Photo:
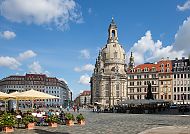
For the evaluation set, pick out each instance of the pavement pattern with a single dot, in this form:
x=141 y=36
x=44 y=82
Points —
x=118 y=123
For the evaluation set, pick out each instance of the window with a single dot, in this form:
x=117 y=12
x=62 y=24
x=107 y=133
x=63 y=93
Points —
x=181 y=89
x=153 y=69
x=132 y=90
x=131 y=83
x=177 y=89
x=177 y=75
x=178 y=97
x=162 y=65
x=138 y=70
x=185 y=89
x=152 y=82
x=174 y=89
x=131 y=76
x=181 y=75
x=138 y=76
x=188 y=96
x=162 y=83
x=144 y=82
x=145 y=69
x=162 y=70
x=169 y=96
x=168 y=64
x=174 y=97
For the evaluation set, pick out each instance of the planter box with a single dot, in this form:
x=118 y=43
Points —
x=69 y=122
x=30 y=125
x=81 y=122
x=52 y=124
x=8 y=129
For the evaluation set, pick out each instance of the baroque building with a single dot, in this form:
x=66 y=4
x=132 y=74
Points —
x=165 y=79
x=138 y=78
x=39 y=82
x=109 y=79
x=181 y=80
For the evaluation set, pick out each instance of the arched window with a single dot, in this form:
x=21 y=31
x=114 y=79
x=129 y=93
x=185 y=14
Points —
x=113 y=34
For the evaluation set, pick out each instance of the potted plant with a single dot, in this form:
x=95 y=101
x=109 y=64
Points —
x=29 y=121
x=69 y=119
x=80 y=119
x=7 y=121
x=52 y=120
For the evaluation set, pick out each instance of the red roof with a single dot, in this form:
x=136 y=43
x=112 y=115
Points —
x=86 y=92
x=142 y=67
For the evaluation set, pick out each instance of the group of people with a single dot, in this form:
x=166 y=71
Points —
x=75 y=107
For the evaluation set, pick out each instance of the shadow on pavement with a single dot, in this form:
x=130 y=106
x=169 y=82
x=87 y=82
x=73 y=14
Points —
x=40 y=131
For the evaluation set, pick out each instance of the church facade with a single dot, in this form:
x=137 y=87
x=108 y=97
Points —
x=109 y=79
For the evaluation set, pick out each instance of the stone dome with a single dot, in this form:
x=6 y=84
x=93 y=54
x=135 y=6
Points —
x=113 y=53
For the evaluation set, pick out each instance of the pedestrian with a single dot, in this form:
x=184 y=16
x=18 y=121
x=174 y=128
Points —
x=68 y=108
x=78 y=108
x=74 y=108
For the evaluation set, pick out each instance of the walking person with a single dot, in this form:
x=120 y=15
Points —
x=78 y=108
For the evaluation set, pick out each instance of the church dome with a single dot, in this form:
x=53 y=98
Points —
x=113 y=53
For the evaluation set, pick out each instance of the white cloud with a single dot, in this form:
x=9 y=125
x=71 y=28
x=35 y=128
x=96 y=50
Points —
x=47 y=73
x=147 y=50
x=27 y=54
x=182 y=37
x=15 y=63
x=9 y=62
x=185 y=6
x=40 y=12
x=84 y=79
x=8 y=35
x=35 y=67
x=87 y=67
x=85 y=54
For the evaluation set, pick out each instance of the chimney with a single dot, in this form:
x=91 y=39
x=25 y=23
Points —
x=176 y=58
x=183 y=58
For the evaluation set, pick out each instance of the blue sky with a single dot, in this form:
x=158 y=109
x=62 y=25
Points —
x=62 y=37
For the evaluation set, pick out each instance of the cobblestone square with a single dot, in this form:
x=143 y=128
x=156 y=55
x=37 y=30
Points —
x=115 y=123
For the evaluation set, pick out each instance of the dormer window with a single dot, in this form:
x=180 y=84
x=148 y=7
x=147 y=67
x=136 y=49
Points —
x=153 y=69
x=138 y=70
x=146 y=69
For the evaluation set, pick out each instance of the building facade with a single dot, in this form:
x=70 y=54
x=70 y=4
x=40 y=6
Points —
x=138 y=79
x=109 y=79
x=84 y=98
x=39 y=82
x=165 y=80
x=181 y=80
